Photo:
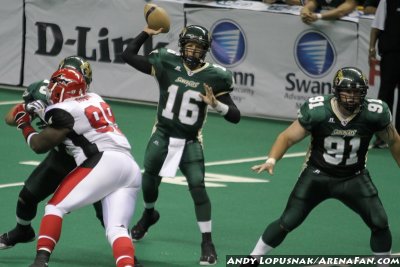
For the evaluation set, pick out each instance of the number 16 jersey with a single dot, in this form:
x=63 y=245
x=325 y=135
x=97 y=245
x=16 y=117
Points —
x=181 y=112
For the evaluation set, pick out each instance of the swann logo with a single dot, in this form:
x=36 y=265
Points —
x=314 y=54
x=228 y=47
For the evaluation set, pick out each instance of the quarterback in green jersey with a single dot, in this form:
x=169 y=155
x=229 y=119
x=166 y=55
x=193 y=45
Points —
x=341 y=127
x=46 y=177
x=188 y=85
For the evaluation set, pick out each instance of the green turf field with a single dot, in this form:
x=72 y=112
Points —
x=243 y=202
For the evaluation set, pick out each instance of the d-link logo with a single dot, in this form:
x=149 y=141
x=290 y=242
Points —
x=229 y=44
x=51 y=41
x=314 y=54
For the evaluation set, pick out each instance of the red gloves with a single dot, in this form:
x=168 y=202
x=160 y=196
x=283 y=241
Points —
x=21 y=116
x=23 y=120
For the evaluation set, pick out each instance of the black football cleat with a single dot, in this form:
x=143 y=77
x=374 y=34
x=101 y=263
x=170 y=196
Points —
x=208 y=254
x=140 y=229
x=42 y=259
x=15 y=236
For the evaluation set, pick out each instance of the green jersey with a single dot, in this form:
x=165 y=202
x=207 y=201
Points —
x=181 y=112
x=36 y=91
x=338 y=147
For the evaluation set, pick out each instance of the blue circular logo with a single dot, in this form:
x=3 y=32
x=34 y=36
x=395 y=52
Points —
x=314 y=53
x=228 y=45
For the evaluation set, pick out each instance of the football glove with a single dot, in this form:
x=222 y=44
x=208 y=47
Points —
x=21 y=116
x=36 y=107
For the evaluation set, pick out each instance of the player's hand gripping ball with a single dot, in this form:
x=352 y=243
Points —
x=21 y=116
x=156 y=17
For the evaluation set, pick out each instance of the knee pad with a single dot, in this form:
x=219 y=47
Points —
x=378 y=221
x=114 y=232
x=27 y=198
x=199 y=195
x=291 y=219
x=274 y=234
x=54 y=210
x=150 y=181
x=27 y=205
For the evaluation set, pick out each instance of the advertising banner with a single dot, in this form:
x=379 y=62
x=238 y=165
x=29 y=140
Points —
x=97 y=30
x=11 y=32
x=277 y=61
x=276 y=70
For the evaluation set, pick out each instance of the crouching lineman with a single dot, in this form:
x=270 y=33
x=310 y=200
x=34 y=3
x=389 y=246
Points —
x=46 y=177
x=106 y=170
x=341 y=127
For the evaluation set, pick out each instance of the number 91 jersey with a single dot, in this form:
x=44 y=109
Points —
x=339 y=148
x=92 y=124
x=181 y=112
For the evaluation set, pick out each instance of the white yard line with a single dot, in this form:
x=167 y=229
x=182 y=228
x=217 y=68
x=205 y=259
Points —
x=30 y=162
x=215 y=163
x=11 y=185
x=3 y=103
x=235 y=161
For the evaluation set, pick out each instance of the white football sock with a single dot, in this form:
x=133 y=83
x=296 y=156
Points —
x=260 y=249
x=205 y=227
x=382 y=255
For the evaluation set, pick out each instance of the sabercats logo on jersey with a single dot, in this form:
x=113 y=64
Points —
x=344 y=132
x=192 y=84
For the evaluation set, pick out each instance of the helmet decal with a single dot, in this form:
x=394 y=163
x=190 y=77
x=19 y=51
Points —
x=339 y=78
x=80 y=64
x=350 y=88
x=66 y=83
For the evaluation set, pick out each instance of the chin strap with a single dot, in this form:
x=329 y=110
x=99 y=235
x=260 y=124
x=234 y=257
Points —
x=192 y=62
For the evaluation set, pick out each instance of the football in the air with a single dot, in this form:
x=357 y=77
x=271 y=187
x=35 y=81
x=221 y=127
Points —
x=156 y=17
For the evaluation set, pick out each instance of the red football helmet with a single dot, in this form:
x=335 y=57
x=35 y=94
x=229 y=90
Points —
x=66 y=83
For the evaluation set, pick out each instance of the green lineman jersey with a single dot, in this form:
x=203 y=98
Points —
x=340 y=148
x=47 y=176
x=181 y=112
x=36 y=91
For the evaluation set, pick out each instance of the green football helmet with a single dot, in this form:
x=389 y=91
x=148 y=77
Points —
x=80 y=64
x=36 y=91
x=353 y=81
x=196 y=34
